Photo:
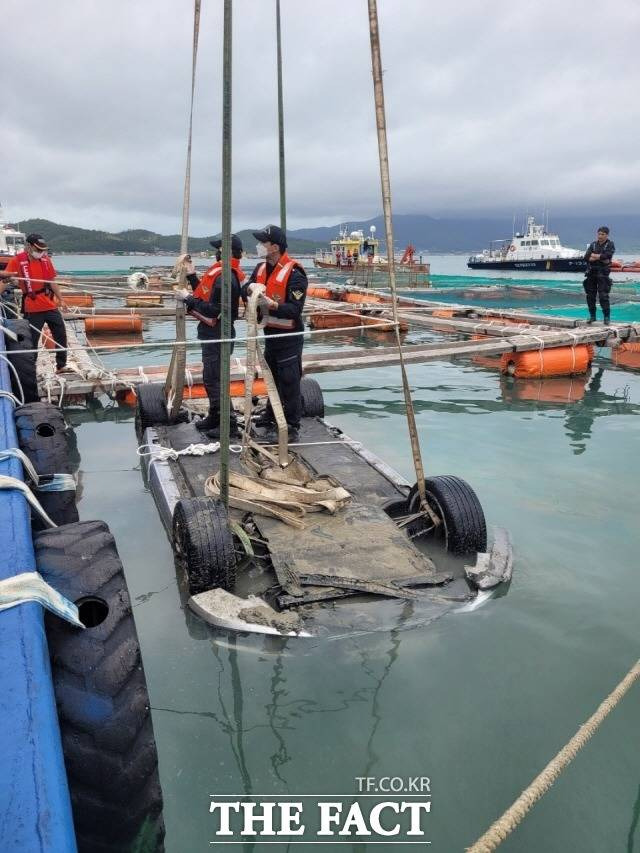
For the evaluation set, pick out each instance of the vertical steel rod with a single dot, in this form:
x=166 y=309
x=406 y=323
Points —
x=381 y=124
x=225 y=325
x=283 y=196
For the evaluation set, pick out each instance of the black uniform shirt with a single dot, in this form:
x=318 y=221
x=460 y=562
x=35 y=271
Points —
x=605 y=250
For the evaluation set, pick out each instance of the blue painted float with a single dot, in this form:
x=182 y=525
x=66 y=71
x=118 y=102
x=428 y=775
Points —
x=35 y=810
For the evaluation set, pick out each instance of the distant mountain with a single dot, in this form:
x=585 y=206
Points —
x=466 y=234
x=426 y=233
x=68 y=238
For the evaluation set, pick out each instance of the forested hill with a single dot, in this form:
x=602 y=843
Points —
x=426 y=233
x=67 y=238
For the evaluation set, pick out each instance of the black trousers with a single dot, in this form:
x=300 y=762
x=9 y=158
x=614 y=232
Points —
x=597 y=284
x=286 y=366
x=211 y=354
x=54 y=321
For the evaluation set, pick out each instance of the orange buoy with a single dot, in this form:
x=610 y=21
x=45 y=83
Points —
x=77 y=300
x=320 y=292
x=626 y=357
x=629 y=346
x=559 y=361
x=333 y=320
x=443 y=313
x=142 y=300
x=361 y=298
x=380 y=325
x=113 y=324
x=198 y=392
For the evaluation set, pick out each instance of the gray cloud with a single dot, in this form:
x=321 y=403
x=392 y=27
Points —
x=491 y=106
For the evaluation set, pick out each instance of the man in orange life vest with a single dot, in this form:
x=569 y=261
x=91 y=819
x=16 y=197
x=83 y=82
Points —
x=206 y=306
x=36 y=274
x=286 y=289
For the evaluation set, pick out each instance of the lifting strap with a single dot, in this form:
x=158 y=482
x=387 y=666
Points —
x=184 y=239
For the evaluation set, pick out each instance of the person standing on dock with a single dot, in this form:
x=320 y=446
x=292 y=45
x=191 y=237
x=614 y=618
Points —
x=206 y=306
x=41 y=296
x=597 y=281
x=286 y=289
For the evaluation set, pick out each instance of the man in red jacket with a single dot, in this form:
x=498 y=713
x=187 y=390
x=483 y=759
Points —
x=36 y=274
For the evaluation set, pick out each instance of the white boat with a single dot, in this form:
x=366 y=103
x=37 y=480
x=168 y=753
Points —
x=534 y=250
x=11 y=241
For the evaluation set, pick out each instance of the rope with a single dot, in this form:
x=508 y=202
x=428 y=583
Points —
x=13 y=483
x=30 y=586
x=16 y=376
x=186 y=202
x=159 y=453
x=11 y=397
x=385 y=181
x=16 y=453
x=505 y=825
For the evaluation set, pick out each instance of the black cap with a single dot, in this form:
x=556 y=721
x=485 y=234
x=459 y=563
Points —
x=236 y=243
x=604 y=228
x=271 y=234
x=37 y=241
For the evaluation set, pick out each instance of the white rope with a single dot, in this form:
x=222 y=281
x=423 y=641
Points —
x=143 y=375
x=11 y=397
x=161 y=454
x=31 y=587
x=14 y=483
x=16 y=453
x=17 y=377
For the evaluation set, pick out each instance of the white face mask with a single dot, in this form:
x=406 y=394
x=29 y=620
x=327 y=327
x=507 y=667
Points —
x=261 y=250
x=37 y=255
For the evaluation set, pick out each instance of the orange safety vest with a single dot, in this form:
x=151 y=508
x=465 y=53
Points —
x=34 y=277
x=208 y=281
x=276 y=287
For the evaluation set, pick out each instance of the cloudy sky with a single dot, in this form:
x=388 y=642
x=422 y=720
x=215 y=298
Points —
x=492 y=106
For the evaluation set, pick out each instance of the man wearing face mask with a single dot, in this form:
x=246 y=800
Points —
x=36 y=274
x=206 y=306
x=286 y=288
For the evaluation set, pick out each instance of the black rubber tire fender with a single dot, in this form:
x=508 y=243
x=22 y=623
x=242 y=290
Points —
x=23 y=362
x=312 y=398
x=43 y=437
x=455 y=502
x=101 y=694
x=151 y=407
x=203 y=544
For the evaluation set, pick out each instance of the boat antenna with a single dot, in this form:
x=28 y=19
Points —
x=225 y=316
x=186 y=200
x=383 y=154
x=283 y=202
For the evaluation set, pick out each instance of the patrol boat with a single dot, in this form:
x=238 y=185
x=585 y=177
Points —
x=11 y=241
x=535 y=250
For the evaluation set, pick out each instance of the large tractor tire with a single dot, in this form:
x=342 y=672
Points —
x=203 y=544
x=42 y=435
x=463 y=527
x=151 y=407
x=24 y=363
x=101 y=694
x=312 y=399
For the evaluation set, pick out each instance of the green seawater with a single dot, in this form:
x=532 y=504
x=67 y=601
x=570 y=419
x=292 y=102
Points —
x=477 y=701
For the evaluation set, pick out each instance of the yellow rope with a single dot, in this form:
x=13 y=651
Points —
x=505 y=825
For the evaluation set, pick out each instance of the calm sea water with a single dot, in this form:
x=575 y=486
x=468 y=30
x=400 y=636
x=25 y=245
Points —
x=478 y=701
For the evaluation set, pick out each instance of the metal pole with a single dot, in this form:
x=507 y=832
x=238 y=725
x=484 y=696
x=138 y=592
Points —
x=225 y=325
x=381 y=124
x=283 y=198
x=186 y=200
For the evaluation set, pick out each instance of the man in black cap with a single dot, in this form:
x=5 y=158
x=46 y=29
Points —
x=286 y=288
x=41 y=296
x=597 y=281
x=206 y=306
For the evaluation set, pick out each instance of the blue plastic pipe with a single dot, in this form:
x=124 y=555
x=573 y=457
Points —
x=35 y=810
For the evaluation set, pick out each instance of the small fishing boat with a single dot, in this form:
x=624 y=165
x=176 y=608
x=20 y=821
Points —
x=353 y=249
x=534 y=250
x=12 y=241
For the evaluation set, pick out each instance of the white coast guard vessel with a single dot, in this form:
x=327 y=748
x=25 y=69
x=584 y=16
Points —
x=534 y=250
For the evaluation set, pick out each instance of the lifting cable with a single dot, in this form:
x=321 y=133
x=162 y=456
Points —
x=225 y=304
x=381 y=124
x=186 y=202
